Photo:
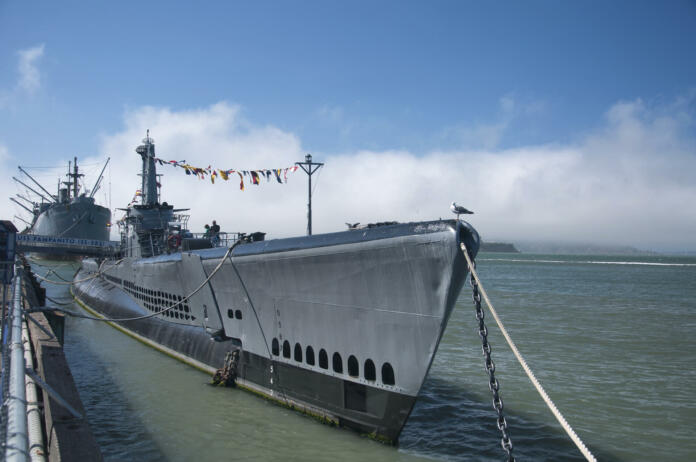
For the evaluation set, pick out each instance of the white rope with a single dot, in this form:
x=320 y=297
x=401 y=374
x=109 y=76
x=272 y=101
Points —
x=69 y=283
x=169 y=308
x=566 y=426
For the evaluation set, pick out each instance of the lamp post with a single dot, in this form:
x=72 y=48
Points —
x=309 y=168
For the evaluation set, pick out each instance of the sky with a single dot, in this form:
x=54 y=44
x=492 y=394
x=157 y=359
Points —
x=553 y=121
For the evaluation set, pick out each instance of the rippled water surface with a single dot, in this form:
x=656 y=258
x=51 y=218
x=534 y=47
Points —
x=612 y=339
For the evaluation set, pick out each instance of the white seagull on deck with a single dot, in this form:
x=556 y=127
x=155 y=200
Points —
x=459 y=210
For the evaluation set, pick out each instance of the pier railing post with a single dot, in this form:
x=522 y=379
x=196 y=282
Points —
x=16 y=445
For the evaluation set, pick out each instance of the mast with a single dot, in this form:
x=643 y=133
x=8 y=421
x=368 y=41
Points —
x=36 y=183
x=149 y=172
x=67 y=185
x=22 y=219
x=21 y=205
x=96 y=185
x=73 y=179
x=27 y=200
x=309 y=170
x=33 y=190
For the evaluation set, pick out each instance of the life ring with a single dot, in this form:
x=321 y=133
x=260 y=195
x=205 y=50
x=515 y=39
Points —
x=174 y=241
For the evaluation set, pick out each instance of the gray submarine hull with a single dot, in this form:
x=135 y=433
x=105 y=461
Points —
x=341 y=326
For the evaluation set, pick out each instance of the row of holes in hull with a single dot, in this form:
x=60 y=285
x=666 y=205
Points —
x=369 y=369
x=158 y=300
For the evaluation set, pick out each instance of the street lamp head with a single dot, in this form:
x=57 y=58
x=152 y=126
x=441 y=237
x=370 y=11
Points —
x=308 y=158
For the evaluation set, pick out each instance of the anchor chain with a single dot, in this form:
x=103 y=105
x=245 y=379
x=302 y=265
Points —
x=493 y=383
x=227 y=374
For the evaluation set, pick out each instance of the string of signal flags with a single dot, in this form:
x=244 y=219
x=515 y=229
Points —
x=254 y=176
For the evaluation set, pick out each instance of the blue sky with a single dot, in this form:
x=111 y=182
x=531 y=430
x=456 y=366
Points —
x=343 y=78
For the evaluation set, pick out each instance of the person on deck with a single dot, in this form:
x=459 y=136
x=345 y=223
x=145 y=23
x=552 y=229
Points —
x=207 y=231
x=215 y=229
x=215 y=234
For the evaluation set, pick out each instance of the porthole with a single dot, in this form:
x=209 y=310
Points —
x=323 y=359
x=387 y=374
x=309 y=357
x=298 y=353
x=286 y=349
x=337 y=363
x=370 y=372
x=230 y=314
x=353 y=367
x=275 y=347
x=238 y=314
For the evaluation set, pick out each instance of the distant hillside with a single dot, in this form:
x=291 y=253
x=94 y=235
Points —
x=498 y=247
x=579 y=249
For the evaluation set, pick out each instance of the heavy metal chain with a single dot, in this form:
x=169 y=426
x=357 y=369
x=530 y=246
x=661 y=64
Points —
x=493 y=384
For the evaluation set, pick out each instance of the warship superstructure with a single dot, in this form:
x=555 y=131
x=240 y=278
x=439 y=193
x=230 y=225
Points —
x=343 y=326
x=70 y=213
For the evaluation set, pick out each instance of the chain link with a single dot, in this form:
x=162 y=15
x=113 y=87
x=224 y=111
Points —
x=493 y=384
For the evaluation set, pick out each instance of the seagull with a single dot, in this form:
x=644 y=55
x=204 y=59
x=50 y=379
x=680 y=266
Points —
x=353 y=225
x=459 y=210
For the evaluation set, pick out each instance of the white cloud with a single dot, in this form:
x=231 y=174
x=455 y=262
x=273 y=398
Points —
x=626 y=183
x=333 y=114
x=487 y=135
x=220 y=137
x=630 y=182
x=29 y=76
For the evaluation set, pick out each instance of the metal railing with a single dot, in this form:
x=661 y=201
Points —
x=14 y=396
x=222 y=239
x=5 y=376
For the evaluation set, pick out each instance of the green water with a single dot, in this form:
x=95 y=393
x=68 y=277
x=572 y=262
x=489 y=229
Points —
x=612 y=340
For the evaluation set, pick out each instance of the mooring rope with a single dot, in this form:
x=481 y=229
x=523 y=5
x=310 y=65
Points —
x=65 y=282
x=35 y=262
x=152 y=315
x=57 y=302
x=251 y=304
x=566 y=426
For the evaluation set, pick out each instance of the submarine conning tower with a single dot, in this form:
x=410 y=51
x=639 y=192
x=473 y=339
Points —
x=149 y=174
x=147 y=223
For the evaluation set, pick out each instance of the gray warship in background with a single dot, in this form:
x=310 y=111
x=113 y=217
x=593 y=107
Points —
x=342 y=326
x=69 y=213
